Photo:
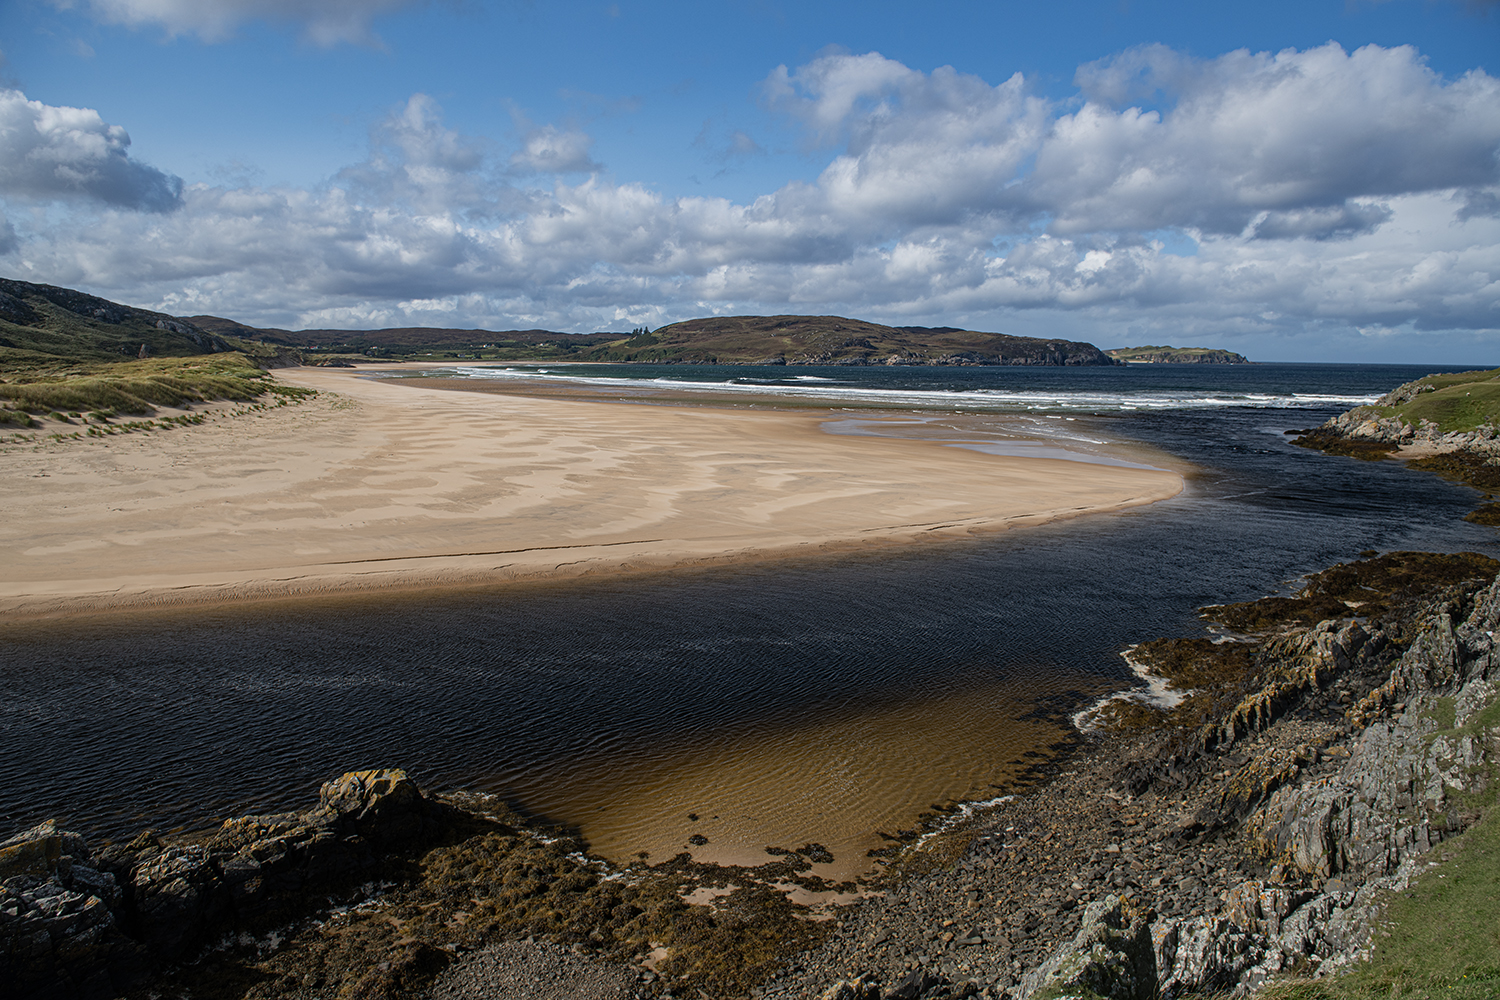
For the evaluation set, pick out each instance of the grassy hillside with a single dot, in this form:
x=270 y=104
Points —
x=716 y=340
x=416 y=342
x=1177 y=355
x=59 y=322
x=71 y=356
x=1461 y=401
x=837 y=340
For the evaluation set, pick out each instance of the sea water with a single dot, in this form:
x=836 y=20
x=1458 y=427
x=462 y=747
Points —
x=827 y=700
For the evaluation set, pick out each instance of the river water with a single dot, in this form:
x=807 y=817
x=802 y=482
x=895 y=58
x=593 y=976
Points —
x=779 y=703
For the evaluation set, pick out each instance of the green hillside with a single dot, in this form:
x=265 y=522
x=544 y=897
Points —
x=715 y=340
x=59 y=322
x=840 y=341
x=1462 y=401
x=1163 y=355
x=68 y=356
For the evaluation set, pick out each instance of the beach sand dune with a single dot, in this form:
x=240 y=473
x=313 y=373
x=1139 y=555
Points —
x=378 y=484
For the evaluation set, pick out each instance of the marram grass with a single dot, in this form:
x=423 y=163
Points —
x=135 y=388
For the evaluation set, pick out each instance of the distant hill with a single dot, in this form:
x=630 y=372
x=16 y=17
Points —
x=791 y=340
x=407 y=339
x=1177 y=356
x=836 y=340
x=45 y=320
x=60 y=322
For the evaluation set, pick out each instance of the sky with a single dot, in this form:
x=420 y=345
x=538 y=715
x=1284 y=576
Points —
x=1298 y=181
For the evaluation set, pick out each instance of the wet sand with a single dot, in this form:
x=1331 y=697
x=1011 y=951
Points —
x=852 y=781
x=376 y=484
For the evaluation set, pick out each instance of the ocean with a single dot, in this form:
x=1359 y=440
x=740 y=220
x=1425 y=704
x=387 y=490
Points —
x=772 y=704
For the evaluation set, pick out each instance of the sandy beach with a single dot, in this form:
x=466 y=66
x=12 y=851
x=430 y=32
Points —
x=374 y=484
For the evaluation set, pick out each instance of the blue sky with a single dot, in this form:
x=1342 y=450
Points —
x=1310 y=181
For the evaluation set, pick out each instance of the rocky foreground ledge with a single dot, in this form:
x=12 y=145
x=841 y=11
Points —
x=1325 y=751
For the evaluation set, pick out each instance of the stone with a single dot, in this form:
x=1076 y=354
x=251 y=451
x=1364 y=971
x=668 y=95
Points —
x=37 y=851
x=856 y=989
x=176 y=897
x=384 y=806
x=58 y=940
x=1112 y=955
x=915 y=985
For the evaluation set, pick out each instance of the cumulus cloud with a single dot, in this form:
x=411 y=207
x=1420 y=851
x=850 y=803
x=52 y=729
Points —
x=919 y=149
x=324 y=22
x=1284 y=145
x=550 y=150
x=1305 y=134
x=419 y=164
x=1318 y=190
x=71 y=153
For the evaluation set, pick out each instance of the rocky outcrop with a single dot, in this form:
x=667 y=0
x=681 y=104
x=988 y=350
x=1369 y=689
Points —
x=1335 y=842
x=59 y=929
x=1111 y=956
x=1370 y=425
x=79 y=923
x=1366 y=424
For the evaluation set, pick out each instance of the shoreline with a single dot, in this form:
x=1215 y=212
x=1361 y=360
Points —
x=1180 y=846
x=373 y=486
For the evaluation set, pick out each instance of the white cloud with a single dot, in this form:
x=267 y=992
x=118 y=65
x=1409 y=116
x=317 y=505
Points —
x=550 y=150
x=1322 y=191
x=919 y=149
x=324 y=22
x=1298 y=133
x=420 y=165
x=70 y=153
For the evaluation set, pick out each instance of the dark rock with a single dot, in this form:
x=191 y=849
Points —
x=914 y=986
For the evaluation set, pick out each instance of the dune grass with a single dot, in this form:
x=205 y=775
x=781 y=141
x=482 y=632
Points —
x=38 y=385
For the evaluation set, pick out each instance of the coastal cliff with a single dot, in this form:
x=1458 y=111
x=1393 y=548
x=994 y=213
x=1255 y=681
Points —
x=1177 y=356
x=1319 y=762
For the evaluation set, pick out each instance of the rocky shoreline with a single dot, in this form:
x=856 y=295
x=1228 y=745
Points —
x=1329 y=743
x=1367 y=432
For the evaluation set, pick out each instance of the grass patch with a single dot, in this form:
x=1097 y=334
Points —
x=104 y=390
x=1459 y=402
x=1440 y=938
x=12 y=417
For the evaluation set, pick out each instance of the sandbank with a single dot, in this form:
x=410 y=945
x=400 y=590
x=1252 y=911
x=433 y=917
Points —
x=376 y=484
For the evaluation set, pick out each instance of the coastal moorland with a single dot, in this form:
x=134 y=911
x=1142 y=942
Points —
x=78 y=361
x=773 y=340
x=1162 y=355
